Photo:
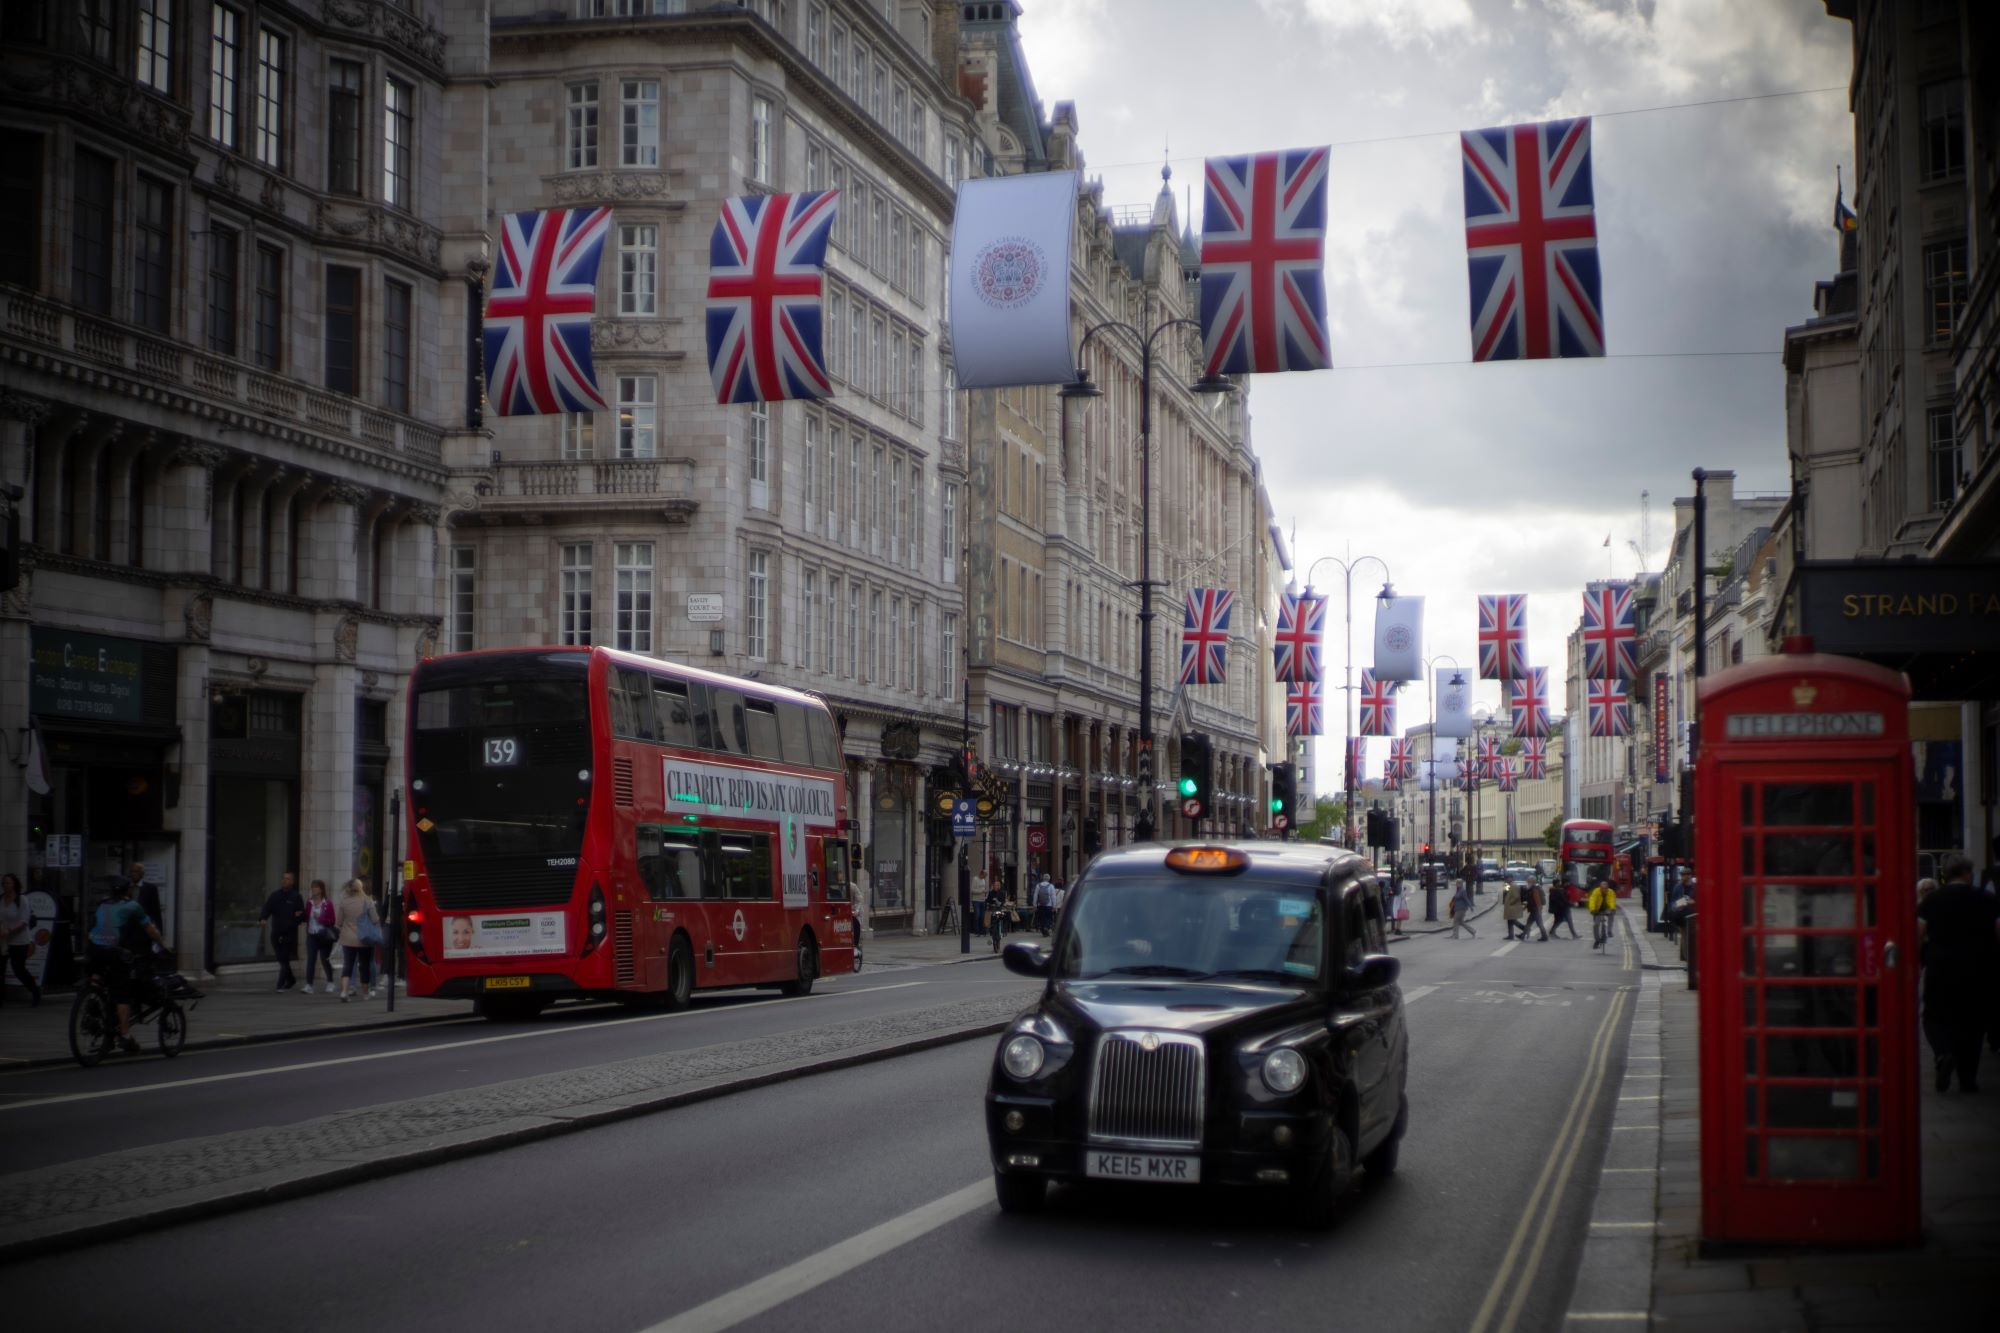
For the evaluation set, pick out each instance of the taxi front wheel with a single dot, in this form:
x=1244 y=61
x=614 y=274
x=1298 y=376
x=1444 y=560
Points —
x=1020 y=1194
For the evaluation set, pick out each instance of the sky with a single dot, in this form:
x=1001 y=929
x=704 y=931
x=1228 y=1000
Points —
x=1714 y=219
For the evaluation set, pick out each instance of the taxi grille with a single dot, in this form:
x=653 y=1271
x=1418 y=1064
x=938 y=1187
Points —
x=1148 y=1088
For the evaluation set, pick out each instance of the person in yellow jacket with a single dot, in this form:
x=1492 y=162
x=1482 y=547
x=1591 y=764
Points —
x=1603 y=901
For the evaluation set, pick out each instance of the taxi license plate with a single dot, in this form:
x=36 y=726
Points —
x=508 y=983
x=1160 y=1168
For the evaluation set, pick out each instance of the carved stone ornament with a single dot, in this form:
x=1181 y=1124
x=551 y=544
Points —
x=427 y=642
x=23 y=407
x=228 y=176
x=199 y=615
x=348 y=220
x=19 y=600
x=346 y=638
x=629 y=334
x=92 y=90
x=609 y=185
x=192 y=453
x=414 y=37
x=426 y=515
x=273 y=194
x=379 y=226
x=344 y=493
x=902 y=740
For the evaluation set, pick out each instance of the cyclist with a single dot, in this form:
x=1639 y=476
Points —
x=1602 y=903
x=119 y=930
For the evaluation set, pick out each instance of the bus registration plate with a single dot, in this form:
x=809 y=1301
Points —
x=1156 y=1167
x=508 y=983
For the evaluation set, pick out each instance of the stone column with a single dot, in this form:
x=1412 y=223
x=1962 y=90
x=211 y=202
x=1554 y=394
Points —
x=864 y=833
x=80 y=478
x=178 y=540
x=191 y=815
x=328 y=566
x=326 y=778
x=920 y=851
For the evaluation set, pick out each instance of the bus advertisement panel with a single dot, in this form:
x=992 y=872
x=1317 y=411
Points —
x=589 y=823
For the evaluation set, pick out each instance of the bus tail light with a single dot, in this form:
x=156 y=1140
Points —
x=594 y=933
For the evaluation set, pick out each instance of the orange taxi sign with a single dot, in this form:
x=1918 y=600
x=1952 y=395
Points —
x=1207 y=860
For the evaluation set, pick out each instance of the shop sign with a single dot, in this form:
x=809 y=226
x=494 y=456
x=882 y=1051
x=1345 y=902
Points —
x=1660 y=727
x=1900 y=607
x=85 y=676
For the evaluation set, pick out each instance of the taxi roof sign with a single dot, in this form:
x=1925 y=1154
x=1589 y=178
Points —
x=1207 y=860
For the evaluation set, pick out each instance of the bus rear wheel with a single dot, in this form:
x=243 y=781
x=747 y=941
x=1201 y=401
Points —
x=808 y=968
x=680 y=975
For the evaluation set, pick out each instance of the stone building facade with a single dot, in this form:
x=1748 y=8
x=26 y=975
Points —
x=226 y=404
x=812 y=545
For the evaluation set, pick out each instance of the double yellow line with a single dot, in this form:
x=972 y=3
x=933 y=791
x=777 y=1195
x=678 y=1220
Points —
x=1538 y=1218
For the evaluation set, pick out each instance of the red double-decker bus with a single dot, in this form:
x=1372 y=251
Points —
x=590 y=823
x=1587 y=859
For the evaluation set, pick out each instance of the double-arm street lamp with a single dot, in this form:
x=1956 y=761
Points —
x=1347 y=568
x=1081 y=387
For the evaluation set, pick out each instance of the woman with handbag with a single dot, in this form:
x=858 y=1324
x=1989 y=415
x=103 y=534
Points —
x=360 y=931
x=322 y=929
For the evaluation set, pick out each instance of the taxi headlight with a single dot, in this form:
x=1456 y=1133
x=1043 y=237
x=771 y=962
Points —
x=1284 y=1070
x=1022 y=1057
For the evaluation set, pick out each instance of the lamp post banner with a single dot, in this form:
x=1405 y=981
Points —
x=1454 y=702
x=1399 y=638
x=1010 y=247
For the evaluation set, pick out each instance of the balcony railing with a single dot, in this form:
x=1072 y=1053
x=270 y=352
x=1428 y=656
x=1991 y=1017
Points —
x=34 y=319
x=592 y=481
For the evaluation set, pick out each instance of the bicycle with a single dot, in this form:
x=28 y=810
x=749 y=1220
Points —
x=1600 y=929
x=155 y=998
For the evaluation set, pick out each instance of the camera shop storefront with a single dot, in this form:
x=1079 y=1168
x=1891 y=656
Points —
x=253 y=758
x=105 y=710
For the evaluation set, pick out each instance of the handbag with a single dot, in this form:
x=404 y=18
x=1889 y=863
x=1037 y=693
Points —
x=368 y=930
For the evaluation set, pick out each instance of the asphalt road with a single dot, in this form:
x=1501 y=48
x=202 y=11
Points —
x=861 y=1200
x=60 y=1114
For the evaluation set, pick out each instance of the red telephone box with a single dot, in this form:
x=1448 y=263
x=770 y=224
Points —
x=1807 y=953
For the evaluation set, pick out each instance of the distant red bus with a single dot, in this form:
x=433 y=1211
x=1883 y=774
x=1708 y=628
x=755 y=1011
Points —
x=590 y=823
x=1587 y=859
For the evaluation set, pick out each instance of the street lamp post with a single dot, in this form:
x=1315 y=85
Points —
x=1430 y=693
x=1144 y=825
x=1347 y=568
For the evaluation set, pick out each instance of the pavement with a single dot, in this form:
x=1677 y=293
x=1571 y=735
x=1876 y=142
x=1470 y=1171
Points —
x=1645 y=1266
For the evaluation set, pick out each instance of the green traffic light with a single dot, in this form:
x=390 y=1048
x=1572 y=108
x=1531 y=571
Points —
x=1187 y=786
x=1277 y=806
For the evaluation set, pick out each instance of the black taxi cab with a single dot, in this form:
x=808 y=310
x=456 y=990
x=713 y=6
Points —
x=1215 y=1014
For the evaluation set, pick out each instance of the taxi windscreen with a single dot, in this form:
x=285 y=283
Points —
x=1193 y=929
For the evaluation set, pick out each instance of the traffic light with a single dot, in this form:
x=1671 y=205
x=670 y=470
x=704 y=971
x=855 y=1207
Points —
x=1376 y=837
x=1197 y=774
x=1390 y=834
x=1284 y=793
x=1427 y=849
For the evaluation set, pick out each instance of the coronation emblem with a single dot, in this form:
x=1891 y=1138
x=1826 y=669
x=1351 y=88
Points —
x=1009 y=272
x=1397 y=637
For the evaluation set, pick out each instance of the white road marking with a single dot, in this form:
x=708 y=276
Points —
x=768 y=1292
x=1608 y=1316
x=1624 y=1226
x=1416 y=993
x=419 y=1050
x=1505 y=949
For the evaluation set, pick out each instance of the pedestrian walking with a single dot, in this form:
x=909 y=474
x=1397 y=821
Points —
x=1515 y=908
x=1399 y=910
x=357 y=950
x=1533 y=893
x=17 y=933
x=286 y=911
x=1959 y=925
x=1602 y=903
x=1461 y=910
x=147 y=895
x=1559 y=911
x=322 y=933
x=1044 y=903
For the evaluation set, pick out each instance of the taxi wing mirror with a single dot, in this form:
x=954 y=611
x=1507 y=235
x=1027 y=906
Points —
x=1027 y=958
x=1376 y=971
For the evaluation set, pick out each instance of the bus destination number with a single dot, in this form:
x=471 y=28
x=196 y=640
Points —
x=502 y=751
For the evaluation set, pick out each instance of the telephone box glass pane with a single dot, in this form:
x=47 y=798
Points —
x=1809 y=1006
x=1811 y=1057
x=1809 y=955
x=1826 y=906
x=1750 y=1104
x=1749 y=1154
x=1750 y=1056
x=1811 y=1108
x=1808 y=853
x=1820 y=804
x=1749 y=1006
x=1749 y=853
x=1749 y=804
x=1811 y=1159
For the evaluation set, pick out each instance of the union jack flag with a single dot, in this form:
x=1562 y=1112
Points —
x=1531 y=242
x=766 y=262
x=1610 y=641
x=544 y=295
x=1609 y=711
x=1402 y=758
x=1301 y=619
x=1489 y=756
x=1357 y=759
x=1263 y=231
x=1504 y=773
x=1378 y=705
x=1535 y=759
x=1528 y=701
x=1205 y=635
x=1503 y=636
x=1302 y=699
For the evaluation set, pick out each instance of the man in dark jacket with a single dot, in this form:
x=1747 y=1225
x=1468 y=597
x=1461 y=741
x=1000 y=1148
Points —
x=1959 y=925
x=285 y=910
x=147 y=895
